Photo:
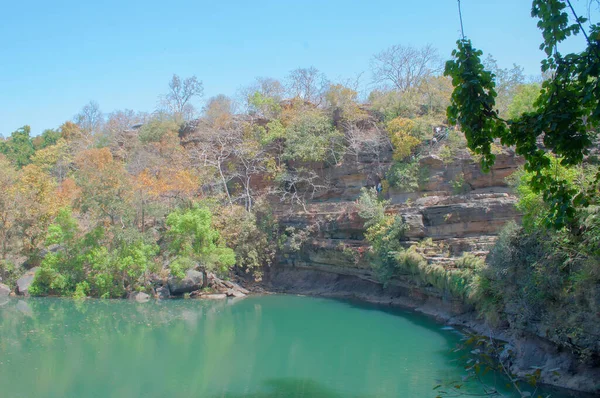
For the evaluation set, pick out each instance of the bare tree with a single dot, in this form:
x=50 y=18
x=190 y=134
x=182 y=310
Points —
x=403 y=67
x=308 y=84
x=215 y=149
x=118 y=130
x=297 y=185
x=181 y=92
x=90 y=118
x=219 y=110
x=251 y=158
x=90 y=121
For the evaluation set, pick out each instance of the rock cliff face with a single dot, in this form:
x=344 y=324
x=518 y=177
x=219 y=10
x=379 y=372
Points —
x=459 y=208
x=459 y=219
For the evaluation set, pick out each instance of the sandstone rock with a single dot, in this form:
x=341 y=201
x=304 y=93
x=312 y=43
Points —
x=416 y=229
x=4 y=290
x=24 y=282
x=140 y=297
x=193 y=280
x=234 y=293
x=163 y=293
x=220 y=296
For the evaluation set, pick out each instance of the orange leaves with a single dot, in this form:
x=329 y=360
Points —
x=94 y=158
x=167 y=182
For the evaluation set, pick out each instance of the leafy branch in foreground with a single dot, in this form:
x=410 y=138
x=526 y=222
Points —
x=565 y=117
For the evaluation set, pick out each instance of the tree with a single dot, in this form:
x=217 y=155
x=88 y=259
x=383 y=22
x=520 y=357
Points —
x=18 y=148
x=38 y=204
x=308 y=84
x=523 y=100
x=507 y=82
x=90 y=121
x=122 y=138
x=311 y=137
x=47 y=138
x=404 y=67
x=402 y=137
x=8 y=205
x=195 y=242
x=566 y=114
x=263 y=97
x=219 y=110
x=105 y=187
x=178 y=101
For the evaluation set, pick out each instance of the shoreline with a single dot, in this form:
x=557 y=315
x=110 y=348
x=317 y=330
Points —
x=527 y=351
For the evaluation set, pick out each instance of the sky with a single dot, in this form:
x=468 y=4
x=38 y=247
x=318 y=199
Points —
x=56 y=56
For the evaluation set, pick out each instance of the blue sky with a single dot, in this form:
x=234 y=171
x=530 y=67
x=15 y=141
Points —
x=55 y=56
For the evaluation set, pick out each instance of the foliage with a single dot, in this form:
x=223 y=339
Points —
x=86 y=264
x=193 y=239
x=370 y=207
x=565 y=116
x=523 y=100
x=311 y=137
x=263 y=105
x=402 y=137
x=408 y=175
x=156 y=128
x=250 y=238
x=18 y=148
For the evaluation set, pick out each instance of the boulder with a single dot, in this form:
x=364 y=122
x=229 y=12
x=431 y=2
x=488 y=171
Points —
x=4 y=290
x=24 y=282
x=140 y=297
x=163 y=293
x=214 y=296
x=234 y=293
x=193 y=280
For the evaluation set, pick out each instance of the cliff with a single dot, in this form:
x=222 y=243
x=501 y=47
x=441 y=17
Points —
x=446 y=219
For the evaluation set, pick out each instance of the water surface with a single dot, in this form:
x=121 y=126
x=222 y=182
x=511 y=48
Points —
x=258 y=347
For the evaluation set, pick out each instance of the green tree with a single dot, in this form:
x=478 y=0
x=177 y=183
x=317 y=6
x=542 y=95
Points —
x=48 y=138
x=18 y=148
x=194 y=241
x=524 y=100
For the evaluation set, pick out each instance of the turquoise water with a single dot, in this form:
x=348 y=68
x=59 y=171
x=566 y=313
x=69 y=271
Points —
x=266 y=346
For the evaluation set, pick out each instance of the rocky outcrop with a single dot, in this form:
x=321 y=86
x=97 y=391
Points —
x=140 y=297
x=163 y=293
x=193 y=280
x=25 y=281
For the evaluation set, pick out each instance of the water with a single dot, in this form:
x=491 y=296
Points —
x=258 y=347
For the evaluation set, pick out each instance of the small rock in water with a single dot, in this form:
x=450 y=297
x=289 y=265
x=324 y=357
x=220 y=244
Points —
x=140 y=297
x=25 y=281
x=4 y=290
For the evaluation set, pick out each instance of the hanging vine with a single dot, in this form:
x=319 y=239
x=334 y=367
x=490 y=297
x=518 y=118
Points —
x=565 y=117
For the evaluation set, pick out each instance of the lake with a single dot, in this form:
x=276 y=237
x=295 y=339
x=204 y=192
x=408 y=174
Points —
x=260 y=346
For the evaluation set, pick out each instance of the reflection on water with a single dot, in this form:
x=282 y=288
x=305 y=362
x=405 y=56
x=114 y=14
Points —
x=272 y=346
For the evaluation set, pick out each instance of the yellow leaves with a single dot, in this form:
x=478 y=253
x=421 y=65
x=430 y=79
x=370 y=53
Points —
x=48 y=157
x=400 y=131
x=345 y=99
x=70 y=130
